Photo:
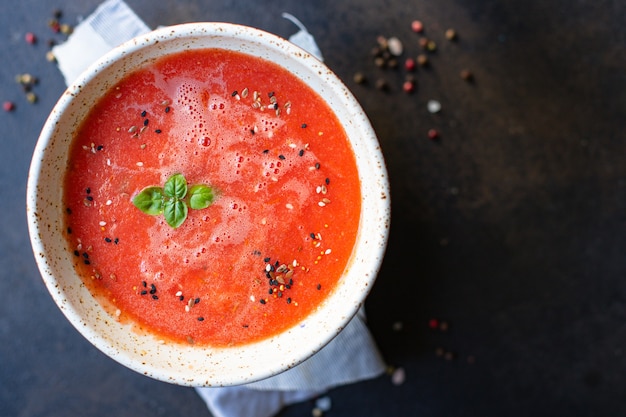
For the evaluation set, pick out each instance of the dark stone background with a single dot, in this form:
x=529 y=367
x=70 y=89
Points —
x=511 y=227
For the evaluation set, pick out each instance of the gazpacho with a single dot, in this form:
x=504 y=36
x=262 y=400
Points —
x=211 y=197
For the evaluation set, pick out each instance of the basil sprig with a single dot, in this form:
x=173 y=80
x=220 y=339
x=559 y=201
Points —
x=174 y=199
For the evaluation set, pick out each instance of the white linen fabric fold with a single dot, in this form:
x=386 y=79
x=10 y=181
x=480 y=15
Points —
x=350 y=357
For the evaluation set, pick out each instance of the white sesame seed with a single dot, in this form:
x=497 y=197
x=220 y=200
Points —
x=268 y=268
x=140 y=164
x=318 y=189
x=289 y=206
x=252 y=298
x=327 y=252
x=292 y=145
x=179 y=293
x=102 y=223
x=321 y=204
x=109 y=202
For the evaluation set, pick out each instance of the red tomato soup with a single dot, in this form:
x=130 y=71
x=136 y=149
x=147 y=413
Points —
x=280 y=231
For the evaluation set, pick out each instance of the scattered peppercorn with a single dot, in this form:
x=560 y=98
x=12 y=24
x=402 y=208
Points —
x=31 y=97
x=30 y=38
x=8 y=106
x=409 y=64
x=451 y=35
x=433 y=134
x=66 y=29
x=466 y=75
x=382 y=84
x=417 y=26
x=359 y=78
x=395 y=46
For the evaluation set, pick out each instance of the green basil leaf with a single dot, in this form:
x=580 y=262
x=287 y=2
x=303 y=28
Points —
x=200 y=196
x=176 y=186
x=150 y=200
x=175 y=212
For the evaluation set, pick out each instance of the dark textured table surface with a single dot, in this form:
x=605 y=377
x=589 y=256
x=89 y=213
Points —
x=510 y=228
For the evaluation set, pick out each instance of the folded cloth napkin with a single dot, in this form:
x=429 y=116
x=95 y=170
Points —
x=350 y=357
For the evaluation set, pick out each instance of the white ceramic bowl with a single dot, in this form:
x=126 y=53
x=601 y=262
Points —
x=176 y=363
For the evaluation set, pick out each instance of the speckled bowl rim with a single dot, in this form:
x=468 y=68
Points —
x=146 y=354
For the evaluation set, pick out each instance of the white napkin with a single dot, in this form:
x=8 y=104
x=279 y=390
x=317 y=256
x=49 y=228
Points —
x=350 y=357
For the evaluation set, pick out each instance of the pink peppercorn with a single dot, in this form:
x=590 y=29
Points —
x=433 y=134
x=8 y=106
x=433 y=323
x=417 y=26
x=409 y=64
x=30 y=37
x=408 y=86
